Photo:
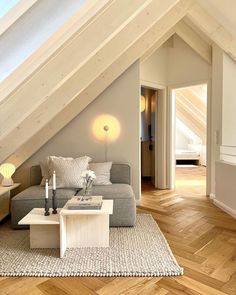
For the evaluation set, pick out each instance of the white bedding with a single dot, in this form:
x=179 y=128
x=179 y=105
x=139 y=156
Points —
x=187 y=155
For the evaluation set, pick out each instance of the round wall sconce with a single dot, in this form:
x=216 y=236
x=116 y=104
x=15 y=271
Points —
x=142 y=103
x=7 y=170
x=106 y=127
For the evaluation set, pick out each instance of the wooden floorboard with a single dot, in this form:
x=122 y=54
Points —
x=202 y=238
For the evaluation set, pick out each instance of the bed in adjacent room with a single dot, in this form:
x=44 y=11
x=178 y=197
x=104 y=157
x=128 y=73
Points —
x=187 y=156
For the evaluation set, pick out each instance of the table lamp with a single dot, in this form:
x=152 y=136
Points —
x=7 y=170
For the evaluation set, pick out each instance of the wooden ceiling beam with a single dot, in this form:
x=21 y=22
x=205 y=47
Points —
x=60 y=39
x=14 y=14
x=195 y=41
x=213 y=29
x=36 y=133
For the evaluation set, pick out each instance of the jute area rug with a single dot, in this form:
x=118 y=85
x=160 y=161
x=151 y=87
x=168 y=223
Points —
x=138 y=251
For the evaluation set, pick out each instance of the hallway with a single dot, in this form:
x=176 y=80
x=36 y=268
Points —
x=191 y=180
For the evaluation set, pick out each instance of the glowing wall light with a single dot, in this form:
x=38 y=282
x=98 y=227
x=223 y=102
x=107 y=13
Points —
x=142 y=103
x=7 y=170
x=106 y=127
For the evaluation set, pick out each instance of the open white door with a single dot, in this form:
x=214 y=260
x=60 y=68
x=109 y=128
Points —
x=187 y=106
x=161 y=137
x=153 y=146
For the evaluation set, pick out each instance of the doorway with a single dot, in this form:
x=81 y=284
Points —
x=190 y=138
x=148 y=110
x=153 y=121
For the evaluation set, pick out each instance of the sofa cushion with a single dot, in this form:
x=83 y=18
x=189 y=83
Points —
x=124 y=207
x=102 y=172
x=68 y=171
x=120 y=173
x=37 y=192
x=114 y=191
x=44 y=166
x=44 y=171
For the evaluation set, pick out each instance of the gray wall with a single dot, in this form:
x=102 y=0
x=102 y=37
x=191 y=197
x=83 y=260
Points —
x=120 y=100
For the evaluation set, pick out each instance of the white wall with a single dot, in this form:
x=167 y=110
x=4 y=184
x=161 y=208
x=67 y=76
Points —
x=225 y=191
x=229 y=102
x=120 y=100
x=185 y=66
x=154 y=69
x=225 y=187
x=175 y=63
x=227 y=143
x=181 y=141
x=32 y=30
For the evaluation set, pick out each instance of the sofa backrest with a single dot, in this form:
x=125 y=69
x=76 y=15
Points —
x=120 y=173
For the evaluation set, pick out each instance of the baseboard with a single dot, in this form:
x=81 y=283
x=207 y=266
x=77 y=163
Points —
x=212 y=196
x=225 y=208
x=138 y=202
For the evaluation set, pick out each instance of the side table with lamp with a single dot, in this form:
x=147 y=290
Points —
x=7 y=185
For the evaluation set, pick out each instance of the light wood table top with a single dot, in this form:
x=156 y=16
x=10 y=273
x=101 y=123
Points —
x=107 y=208
x=36 y=216
x=6 y=189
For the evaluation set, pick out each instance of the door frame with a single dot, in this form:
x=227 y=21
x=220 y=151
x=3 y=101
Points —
x=160 y=133
x=171 y=127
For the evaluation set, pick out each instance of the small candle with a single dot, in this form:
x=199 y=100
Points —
x=46 y=189
x=54 y=180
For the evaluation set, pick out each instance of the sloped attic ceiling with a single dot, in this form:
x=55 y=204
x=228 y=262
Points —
x=61 y=94
x=148 y=24
x=5 y=6
x=32 y=30
x=191 y=108
x=223 y=11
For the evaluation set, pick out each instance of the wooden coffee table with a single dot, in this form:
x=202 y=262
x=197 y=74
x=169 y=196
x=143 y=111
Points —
x=69 y=228
x=44 y=230
x=85 y=228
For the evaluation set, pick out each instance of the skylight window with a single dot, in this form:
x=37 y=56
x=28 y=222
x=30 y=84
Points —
x=6 y=5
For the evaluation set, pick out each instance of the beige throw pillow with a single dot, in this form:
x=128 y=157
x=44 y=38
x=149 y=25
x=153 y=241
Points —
x=44 y=165
x=44 y=170
x=102 y=172
x=68 y=171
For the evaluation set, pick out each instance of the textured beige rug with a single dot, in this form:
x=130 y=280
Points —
x=138 y=251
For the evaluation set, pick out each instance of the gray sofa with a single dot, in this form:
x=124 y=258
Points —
x=124 y=208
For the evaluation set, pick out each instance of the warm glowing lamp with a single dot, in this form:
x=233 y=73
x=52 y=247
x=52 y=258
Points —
x=106 y=127
x=7 y=170
x=142 y=104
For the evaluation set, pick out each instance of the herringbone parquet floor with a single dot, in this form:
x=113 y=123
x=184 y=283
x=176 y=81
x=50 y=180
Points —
x=202 y=237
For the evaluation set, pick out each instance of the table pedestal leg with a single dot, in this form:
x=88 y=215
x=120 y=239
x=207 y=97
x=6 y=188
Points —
x=44 y=236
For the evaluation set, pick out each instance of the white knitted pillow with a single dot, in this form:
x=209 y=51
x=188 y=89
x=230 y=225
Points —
x=68 y=171
x=102 y=172
x=44 y=165
x=44 y=170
